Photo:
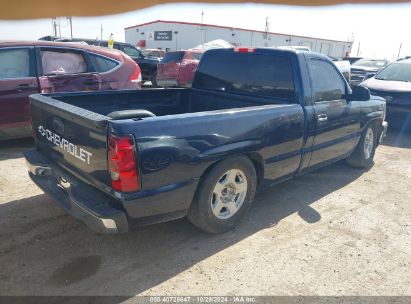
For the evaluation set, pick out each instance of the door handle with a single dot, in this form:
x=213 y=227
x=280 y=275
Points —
x=91 y=82
x=25 y=87
x=322 y=118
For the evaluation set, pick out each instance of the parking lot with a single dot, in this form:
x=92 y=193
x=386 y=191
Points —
x=337 y=231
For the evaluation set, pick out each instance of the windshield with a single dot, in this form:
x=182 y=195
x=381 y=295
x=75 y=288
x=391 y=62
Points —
x=131 y=51
x=396 y=72
x=371 y=63
x=173 y=57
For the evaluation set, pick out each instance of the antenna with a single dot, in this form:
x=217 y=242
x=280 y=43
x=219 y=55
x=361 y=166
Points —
x=399 y=51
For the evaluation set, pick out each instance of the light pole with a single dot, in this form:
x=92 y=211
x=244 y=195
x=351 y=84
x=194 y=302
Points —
x=175 y=33
x=70 y=19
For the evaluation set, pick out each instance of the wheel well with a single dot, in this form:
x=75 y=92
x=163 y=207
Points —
x=254 y=157
x=258 y=163
x=377 y=123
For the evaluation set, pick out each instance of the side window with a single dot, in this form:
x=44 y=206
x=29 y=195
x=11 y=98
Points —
x=131 y=51
x=14 y=63
x=327 y=83
x=62 y=62
x=102 y=64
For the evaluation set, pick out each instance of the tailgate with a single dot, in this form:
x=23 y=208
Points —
x=168 y=70
x=74 y=138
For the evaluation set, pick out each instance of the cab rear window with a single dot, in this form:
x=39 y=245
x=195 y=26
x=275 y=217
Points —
x=193 y=56
x=247 y=73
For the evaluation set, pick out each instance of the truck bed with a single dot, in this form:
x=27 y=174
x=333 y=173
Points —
x=161 y=102
x=190 y=131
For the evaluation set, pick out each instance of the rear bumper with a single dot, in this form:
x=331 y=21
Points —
x=399 y=116
x=167 y=83
x=384 y=130
x=100 y=211
x=399 y=111
x=83 y=202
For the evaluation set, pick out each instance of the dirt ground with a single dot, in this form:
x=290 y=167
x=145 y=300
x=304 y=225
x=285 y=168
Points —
x=337 y=231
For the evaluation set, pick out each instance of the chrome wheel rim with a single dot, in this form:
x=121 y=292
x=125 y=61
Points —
x=368 y=143
x=229 y=194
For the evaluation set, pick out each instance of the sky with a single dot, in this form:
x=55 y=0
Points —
x=379 y=30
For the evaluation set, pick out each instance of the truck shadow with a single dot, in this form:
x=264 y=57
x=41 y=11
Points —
x=12 y=149
x=69 y=259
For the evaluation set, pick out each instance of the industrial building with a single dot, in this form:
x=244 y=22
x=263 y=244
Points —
x=175 y=35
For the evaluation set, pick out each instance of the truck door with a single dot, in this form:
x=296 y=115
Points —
x=67 y=70
x=337 y=120
x=17 y=82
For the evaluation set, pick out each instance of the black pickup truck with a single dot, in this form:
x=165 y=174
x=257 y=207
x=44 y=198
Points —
x=252 y=117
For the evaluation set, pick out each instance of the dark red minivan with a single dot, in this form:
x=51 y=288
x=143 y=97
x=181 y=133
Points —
x=176 y=69
x=47 y=67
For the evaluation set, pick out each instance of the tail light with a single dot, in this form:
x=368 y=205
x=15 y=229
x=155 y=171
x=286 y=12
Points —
x=122 y=163
x=135 y=77
x=244 y=50
x=184 y=62
x=45 y=85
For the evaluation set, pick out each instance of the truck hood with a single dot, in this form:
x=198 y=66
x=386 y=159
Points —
x=343 y=66
x=387 y=85
x=364 y=68
x=150 y=60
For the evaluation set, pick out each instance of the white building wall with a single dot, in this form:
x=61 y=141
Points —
x=191 y=35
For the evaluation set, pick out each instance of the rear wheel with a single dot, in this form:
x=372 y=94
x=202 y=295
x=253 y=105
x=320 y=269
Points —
x=224 y=195
x=363 y=155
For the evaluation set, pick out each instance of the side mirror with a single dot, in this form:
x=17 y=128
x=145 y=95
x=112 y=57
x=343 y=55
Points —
x=360 y=93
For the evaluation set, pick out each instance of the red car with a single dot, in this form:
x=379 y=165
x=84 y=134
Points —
x=48 y=67
x=176 y=69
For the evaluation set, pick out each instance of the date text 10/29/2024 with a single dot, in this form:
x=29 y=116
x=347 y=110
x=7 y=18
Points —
x=203 y=299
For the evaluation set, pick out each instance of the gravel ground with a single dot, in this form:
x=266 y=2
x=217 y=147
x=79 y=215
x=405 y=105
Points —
x=337 y=231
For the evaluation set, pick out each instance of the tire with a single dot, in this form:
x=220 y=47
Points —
x=220 y=202
x=154 y=80
x=363 y=154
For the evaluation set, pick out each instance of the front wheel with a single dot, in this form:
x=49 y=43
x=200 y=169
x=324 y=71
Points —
x=363 y=155
x=154 y=80
x=224 y=195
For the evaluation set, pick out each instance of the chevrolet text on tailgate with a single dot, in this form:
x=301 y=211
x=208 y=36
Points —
x=253 y=117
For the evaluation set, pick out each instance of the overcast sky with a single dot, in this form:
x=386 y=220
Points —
x=379 y=28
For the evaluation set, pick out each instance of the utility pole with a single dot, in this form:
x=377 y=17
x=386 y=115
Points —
x=101 y=32
x=59 y=28
x=71 y=26
x=203 y=28
x=399 y=51
x=53 y=23
x=175 y=34
x=267 y=29
x=358 y=51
